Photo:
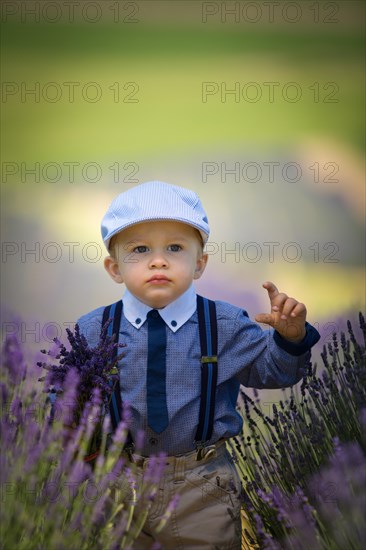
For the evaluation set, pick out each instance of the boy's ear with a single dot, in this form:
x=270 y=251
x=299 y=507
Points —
x=200 y=266
x=112 y=268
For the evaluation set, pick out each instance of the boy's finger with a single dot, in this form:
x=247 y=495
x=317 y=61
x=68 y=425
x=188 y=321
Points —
x=288 y=306
x=299 y=309
x=279 y=301
x=271 y=289
x=266 y=318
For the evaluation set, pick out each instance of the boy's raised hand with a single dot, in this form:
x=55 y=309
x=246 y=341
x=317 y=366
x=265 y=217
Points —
x=287 y=315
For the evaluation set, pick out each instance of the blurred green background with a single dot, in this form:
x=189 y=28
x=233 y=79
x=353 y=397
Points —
x=126 y=92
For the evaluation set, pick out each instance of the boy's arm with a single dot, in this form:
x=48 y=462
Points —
x=274 y=358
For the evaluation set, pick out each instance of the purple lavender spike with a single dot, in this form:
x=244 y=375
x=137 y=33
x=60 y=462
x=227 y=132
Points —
x=13 y=360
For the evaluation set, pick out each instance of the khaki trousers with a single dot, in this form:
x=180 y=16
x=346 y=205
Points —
x=207 y=516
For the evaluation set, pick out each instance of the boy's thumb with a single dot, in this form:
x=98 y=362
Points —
x=266 y=318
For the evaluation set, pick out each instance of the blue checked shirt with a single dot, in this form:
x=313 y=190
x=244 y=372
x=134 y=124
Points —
x=247 y=355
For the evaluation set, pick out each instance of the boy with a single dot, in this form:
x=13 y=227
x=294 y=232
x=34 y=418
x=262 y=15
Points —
x=155 y=234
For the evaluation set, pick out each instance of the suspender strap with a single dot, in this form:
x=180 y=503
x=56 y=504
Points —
x=207 y=322
x=114 y=312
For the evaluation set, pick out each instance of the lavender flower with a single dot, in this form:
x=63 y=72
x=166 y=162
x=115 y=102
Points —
x=168 y=512
x=13 y=360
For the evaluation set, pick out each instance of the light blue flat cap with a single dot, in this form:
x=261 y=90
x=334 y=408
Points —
x=153 y=201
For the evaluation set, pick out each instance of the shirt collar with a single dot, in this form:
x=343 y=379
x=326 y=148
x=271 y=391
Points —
x=174 y=314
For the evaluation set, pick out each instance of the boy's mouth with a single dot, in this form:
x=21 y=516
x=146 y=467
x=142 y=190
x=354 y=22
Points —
x=158 y=279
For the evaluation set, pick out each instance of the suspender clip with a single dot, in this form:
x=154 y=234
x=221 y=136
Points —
x=209 y=359
x=200 y=448
x=129 y=449
x=203 y=451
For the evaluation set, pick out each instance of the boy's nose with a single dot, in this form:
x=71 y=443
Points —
x=158 y=260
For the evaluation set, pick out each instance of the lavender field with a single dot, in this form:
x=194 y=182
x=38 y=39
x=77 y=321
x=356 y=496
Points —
x=302 y=460
x=304 y=465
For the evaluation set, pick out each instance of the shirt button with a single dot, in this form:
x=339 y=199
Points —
x=138 y=321
x=174 y=323
x=153 y=441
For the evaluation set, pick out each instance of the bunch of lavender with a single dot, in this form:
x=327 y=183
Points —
x=278 y=454
x=96 y=367
x=50 y=497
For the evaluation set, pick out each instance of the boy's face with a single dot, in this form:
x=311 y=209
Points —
x=157 y=260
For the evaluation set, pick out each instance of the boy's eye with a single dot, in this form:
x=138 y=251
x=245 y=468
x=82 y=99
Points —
x=140 y=249
x=174 y=248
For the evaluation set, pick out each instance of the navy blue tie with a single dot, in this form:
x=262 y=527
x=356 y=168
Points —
x=157 y=411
